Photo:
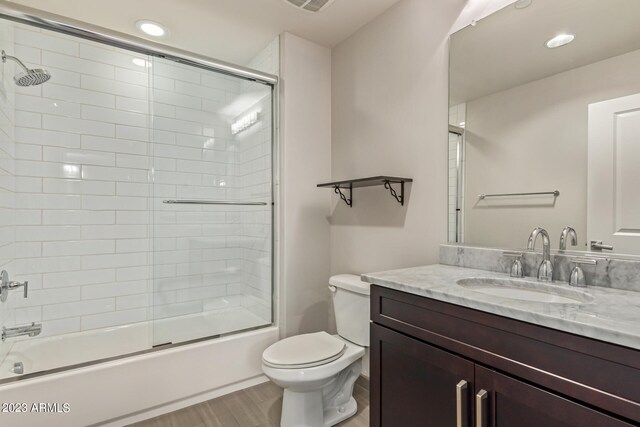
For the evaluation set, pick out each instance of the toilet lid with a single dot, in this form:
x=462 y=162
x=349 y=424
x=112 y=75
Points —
x=304 y=351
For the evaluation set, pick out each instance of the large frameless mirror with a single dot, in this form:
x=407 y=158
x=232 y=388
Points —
x=544 y=125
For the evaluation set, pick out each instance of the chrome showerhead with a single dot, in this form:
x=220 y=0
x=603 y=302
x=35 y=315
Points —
x=28 y=77
x=32 y=77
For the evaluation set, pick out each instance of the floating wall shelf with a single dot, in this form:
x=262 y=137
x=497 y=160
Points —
x=350 y=184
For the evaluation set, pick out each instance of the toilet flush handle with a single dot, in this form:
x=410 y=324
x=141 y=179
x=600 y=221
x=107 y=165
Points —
x=333 y=289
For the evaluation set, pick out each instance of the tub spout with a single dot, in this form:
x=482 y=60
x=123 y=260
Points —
x=30 y=330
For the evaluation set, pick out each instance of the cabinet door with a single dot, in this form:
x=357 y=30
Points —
x=416 y=384
x=507 y=402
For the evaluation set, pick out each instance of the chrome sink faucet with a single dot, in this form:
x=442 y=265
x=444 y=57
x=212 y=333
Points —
x=545 y=269
x=31 y=330
x=568 y=232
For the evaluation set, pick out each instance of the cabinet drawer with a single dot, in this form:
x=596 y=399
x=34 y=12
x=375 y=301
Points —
x=601 y=374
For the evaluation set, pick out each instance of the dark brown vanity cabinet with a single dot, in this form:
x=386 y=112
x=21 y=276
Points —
x=418 y=381
x=438 y=364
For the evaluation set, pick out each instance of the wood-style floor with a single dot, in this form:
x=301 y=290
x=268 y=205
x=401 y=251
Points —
x=257 y=406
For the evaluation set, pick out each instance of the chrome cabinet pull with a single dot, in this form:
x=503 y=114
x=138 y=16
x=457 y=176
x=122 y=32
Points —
x=461 y=404
x=481 y=410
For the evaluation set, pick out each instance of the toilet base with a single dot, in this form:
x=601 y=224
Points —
x=324 y=406
x=333 y=416
x=305 y=410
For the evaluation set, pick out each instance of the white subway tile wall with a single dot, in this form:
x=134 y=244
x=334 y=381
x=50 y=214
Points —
x=97 y=150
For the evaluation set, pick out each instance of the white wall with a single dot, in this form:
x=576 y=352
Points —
x=305 y=158
x=536 y=134
x=389 y=117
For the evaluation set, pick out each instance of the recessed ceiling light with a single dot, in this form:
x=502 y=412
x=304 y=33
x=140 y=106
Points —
x=152 y=28
x=560 y=40
x=521 y=4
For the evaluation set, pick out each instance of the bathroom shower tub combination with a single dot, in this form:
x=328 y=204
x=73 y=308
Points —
x=136 y=201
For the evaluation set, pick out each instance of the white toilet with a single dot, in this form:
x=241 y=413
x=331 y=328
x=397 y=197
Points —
x=318 y=371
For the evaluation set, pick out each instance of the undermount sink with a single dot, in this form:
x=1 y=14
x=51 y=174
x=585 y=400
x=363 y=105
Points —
x=525 y=290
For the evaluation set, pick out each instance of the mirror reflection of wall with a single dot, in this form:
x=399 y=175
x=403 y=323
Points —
x=457 y=115
x=527 y=122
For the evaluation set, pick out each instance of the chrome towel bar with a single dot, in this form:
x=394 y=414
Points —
x=554 y=193
x=212 y=202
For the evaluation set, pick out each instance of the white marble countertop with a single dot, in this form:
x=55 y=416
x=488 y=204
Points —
x=609 y=315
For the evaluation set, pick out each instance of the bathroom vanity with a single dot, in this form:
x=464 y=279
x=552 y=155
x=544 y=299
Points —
x=445 y=353
x=540 y=139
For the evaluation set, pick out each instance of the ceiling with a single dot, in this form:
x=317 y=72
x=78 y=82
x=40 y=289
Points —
x=230 y=30
x=507 y=48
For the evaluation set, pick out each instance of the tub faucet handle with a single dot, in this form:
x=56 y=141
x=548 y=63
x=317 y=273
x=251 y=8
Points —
x=16 y=285
x=6 y=285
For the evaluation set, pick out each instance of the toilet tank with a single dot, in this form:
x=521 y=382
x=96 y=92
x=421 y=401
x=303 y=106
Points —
x=351 y=307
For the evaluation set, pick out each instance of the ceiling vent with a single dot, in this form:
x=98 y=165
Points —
x=310 y=5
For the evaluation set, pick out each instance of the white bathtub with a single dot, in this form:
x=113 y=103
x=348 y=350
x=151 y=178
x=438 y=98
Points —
x=133 y=388
x=43 y=354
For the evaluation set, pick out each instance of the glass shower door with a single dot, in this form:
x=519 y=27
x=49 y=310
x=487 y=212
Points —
x=7 y=191
x=212 y=203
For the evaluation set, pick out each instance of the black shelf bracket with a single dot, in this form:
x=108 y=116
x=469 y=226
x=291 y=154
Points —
x=399 y=198
x=348 y=201
x=341 y=187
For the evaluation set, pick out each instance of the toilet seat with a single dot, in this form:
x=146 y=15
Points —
x=304 y=351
